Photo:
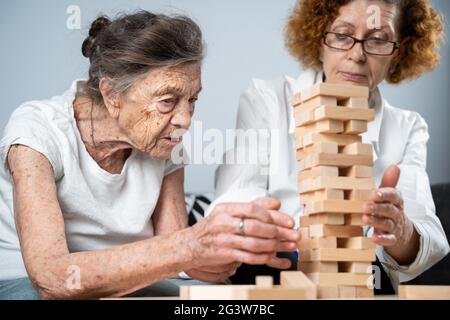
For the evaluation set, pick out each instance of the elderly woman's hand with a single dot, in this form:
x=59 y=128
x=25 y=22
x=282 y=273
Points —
x=237 y=233
x=392 y=227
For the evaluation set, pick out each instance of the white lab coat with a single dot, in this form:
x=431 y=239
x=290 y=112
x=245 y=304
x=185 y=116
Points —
x=398 y=137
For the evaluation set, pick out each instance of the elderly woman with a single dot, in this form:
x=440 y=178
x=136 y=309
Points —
x=91 y=203
x=338 y=42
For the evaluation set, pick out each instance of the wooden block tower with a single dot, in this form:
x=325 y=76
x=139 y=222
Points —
x=334 y=180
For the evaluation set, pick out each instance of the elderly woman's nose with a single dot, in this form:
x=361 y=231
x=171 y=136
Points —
x=182 y=117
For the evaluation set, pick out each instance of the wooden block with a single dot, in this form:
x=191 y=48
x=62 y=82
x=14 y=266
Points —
x=215 y=292
x=321 y=230
x=297 y=279
x=341 y=113
x=319 y=171
x=338 y=160
x=341 y=183
x=359 y=194
x=264 y=281
x=325 y=194
x=339 y=279
x=347 y=292
x=355 y=127
x=356 y=243
x=341 y=91
x=417 y=292
x=354 y=219
x=356 y=102
x=323 y=126
x=358 y=148
x=334 y=206
x=313 y=267
x=315 y=103
x=324 y=218
x=320 y=147
x=340 y=139
x=280 y=293
x=296 y=99
x=304 y=232
x=327 y=292
x=317 y=243
x=339 y=255
x=364 y=292
x=355 y=267
x=357 y=172
x=304 y=118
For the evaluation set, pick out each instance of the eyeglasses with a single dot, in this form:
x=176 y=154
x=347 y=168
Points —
x=373 y=46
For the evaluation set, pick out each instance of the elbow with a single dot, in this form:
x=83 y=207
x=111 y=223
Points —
x=52 y=285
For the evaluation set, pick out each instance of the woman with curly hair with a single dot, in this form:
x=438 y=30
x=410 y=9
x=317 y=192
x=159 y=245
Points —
x=337 y=42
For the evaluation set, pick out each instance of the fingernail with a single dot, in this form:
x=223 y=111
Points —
x=380 y=194
x=370 y=207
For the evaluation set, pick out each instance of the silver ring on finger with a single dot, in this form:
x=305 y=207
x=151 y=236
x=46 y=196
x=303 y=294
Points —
x=241 y=227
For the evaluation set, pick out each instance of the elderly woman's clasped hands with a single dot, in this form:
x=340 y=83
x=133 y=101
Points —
x=236 y=233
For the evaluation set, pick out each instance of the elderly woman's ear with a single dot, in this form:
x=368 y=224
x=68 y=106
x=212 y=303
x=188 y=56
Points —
x=111 y=99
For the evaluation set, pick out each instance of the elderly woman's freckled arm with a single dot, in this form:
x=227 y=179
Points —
x=170 y=213
x=110 y=272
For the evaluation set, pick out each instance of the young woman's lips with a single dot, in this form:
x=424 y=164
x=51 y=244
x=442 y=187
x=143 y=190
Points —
x=356 y=77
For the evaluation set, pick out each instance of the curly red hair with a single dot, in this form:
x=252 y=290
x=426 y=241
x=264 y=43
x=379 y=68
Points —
x=420 y=29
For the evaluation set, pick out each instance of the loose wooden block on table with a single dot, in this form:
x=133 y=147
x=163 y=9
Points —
x=418 y=292
x=215 y=292
x=337 y=255
x=327 y=292
x=340 y=279
x=264 y=281
x=347 y=292
x=364 y=292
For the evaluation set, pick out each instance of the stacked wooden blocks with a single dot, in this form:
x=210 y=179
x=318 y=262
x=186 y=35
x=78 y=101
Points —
x=334 y=180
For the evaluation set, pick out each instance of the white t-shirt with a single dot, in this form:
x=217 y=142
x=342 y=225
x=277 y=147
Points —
x=100 y=209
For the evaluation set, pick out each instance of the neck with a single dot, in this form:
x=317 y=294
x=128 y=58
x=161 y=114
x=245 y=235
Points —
x=103 y=138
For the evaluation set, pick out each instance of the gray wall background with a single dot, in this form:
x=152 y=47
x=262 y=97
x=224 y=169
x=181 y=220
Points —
x=40 y=57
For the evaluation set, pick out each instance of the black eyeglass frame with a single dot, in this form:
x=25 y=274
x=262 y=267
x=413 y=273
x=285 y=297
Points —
x=362 y=41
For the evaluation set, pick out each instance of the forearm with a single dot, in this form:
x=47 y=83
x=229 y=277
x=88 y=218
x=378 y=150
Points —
x=113 y=272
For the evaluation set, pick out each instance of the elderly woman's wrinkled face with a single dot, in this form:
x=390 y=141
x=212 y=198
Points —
x=356 y=66
x=157 y=110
